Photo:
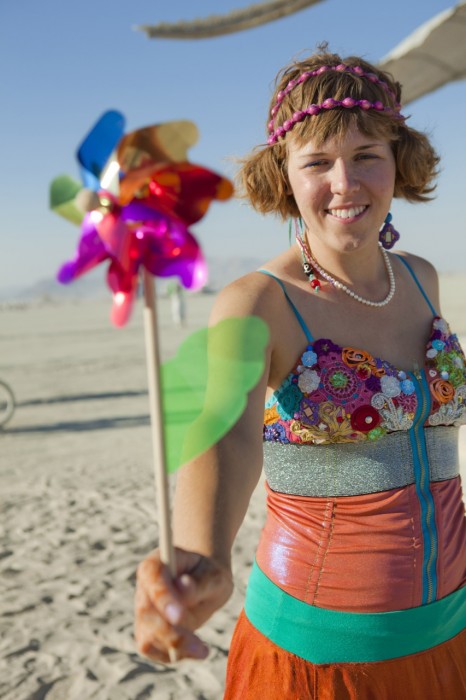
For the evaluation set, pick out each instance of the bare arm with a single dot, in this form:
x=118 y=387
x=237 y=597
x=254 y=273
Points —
x=213 y=492
x=212 y=496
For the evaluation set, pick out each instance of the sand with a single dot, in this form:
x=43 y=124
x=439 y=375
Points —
x=78 y=508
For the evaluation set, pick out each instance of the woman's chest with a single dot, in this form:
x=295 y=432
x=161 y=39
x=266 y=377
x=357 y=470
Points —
x=399 y=337
x=343 y=393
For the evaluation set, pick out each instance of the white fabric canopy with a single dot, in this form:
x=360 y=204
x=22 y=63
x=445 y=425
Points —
x=235 y=21
x=435 y=54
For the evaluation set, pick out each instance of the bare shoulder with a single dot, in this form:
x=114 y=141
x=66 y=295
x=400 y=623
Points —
x=426 y=274
x=253 y=294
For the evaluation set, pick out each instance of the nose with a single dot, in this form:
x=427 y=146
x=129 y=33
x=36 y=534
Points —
x=344 y=177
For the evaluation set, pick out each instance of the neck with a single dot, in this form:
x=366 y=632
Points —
x=311 y=266
x=362 y=267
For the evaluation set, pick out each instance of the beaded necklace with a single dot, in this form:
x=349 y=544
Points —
x=310 y=263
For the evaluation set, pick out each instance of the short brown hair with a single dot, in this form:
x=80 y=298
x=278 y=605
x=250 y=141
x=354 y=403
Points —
x=263 y=178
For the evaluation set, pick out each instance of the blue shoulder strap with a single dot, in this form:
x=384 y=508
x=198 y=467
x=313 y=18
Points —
x=413 y=275
x=301 y=322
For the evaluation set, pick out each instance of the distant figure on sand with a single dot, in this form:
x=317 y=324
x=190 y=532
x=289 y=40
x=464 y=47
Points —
x=358 y=589
x=177 y=303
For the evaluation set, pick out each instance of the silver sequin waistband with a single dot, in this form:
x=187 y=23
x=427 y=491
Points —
x=353 y=469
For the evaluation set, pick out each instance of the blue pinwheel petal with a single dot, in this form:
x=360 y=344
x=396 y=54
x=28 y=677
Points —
x=98 y=145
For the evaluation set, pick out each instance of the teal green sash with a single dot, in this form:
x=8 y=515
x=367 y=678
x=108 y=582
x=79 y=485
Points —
x=330 y=636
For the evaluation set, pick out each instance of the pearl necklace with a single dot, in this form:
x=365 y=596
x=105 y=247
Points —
x=309 y=262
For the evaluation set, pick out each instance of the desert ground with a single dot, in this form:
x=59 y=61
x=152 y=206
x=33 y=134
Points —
x=78 y=508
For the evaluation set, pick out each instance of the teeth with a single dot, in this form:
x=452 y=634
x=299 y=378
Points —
x=347 y=213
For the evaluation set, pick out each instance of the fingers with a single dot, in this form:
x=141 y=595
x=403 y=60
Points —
x=174 y=655
x=159 y=640
x=159 y=608
x=155 y=579
x=168 y=611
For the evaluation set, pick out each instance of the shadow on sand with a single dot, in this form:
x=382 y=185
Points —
x=81 y=425
x=82 y=397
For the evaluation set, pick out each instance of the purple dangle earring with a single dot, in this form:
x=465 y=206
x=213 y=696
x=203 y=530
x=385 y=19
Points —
x=388 y=235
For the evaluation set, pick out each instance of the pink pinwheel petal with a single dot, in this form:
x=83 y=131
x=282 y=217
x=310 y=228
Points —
x=178 y=255
x=200 y=273
x=122 y=308
x=90 y=252
x=191 y=273
x=116 y=237
x=119 y=279
x=124 y=285
x=138 y=211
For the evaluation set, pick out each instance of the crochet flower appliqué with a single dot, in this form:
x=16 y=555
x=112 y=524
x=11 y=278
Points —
x=337 y=394
x=446 y=374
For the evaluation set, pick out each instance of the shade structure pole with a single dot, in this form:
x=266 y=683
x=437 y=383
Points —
x=156 y=416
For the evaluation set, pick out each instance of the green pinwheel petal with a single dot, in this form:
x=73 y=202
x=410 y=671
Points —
x=205 y=385
x=63 y=191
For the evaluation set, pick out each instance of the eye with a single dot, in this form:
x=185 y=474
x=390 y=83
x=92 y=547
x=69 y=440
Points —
x=366 y=156
x=316 y=164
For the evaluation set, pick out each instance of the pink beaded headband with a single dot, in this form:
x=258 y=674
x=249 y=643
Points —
x=330 y=103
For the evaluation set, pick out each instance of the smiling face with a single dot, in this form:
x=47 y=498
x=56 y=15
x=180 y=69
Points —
x=343 y=188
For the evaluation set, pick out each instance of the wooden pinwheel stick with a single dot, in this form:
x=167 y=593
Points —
x=156 y=416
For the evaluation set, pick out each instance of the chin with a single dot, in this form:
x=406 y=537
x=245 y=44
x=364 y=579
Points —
x=350 y=244
x=355 y=241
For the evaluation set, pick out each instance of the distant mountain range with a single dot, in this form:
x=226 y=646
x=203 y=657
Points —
x=222 y=271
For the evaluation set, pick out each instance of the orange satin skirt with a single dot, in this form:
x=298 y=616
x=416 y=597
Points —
x=260 y=670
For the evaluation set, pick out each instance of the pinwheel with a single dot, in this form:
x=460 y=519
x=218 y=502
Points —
x=138 y=198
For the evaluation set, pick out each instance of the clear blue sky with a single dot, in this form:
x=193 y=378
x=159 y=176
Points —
x=64 y=63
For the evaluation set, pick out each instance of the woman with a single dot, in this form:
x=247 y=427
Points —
x=365 y=386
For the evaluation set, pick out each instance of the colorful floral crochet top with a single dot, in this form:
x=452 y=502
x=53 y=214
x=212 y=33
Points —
x=344 y=394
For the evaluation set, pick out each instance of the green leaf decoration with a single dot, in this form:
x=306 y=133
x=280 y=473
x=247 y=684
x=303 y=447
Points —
x=205 y=386
x=63 y=191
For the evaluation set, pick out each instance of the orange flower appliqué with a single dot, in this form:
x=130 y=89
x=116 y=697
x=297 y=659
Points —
x=271 y=416
x=442 y=390
x=353 y=358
